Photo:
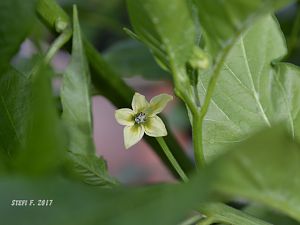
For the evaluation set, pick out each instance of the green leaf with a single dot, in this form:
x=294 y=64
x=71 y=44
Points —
x=77 y=115
x=269 y=215
x=131 y=58
x=250 y=94
x=92 y=170
x=13 y=29
x=223 y=21
x=159 y=205
x=75 y=96
x=42 y=150
x=232 y=175
x=263 y=169
x=14 y=100
x=166 y=27
x=217 y=212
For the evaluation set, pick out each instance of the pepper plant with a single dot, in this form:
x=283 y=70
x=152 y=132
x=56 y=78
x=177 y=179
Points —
x=228 y=64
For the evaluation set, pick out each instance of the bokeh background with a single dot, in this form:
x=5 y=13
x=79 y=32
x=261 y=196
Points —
x=102 y=23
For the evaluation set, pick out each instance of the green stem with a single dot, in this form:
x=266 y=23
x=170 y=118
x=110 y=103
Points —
x=197 y=141
x=59 y=42
x=198 y=117
x=172 y=159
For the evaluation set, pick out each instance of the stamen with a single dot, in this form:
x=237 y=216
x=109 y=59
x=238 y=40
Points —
x=140 y=118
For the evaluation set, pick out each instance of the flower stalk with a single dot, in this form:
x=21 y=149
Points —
x=171 y=158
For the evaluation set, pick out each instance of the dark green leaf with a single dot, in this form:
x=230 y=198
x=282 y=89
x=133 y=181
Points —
x=77 y=115
x=269 y=215
x=14 y=100
x=131 y=58
x=16 y=18
x=43 y=148
x=74 y=204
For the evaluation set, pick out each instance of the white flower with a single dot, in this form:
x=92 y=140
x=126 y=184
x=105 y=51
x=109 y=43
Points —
x=142 y=118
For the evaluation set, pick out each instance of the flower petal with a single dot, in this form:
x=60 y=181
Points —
x=155 y=127
x=132 y=135
x=125 y=117
x=139 y=103
x=158 y=103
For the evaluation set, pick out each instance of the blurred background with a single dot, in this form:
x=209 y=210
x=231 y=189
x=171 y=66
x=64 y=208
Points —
x=102 y=23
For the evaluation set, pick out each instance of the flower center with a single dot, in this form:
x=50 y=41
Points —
x=140 y=118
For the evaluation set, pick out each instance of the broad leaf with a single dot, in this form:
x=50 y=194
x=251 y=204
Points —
x=131 y=58
x=74 y=204
x=232 y=175
x=166 y=27
x=77 y=115
x=223 y=21
x=250 y=93
x=262 y=169
x=16 y=18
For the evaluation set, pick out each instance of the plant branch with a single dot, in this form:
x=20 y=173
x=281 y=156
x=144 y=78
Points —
x=59 y=42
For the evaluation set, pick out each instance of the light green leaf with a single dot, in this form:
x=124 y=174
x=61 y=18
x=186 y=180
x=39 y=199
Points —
x=77 y=115
x=16 y=18
x=217 y=212
x=250 y=94
x=131 y=58
x=166 y=27
x=223 y=21
x=92 y=170
x=75 y=96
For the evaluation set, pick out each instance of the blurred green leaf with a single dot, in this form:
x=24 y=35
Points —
x=269 y=215
x=263 y=169
x=43 y=147
x=77 y=115
x=250 y=93
x=166 y=27
x=131 y=58
x=223 y=21
x=159 y=205
x=17 y=17
x=230 y=176
x=14 y=94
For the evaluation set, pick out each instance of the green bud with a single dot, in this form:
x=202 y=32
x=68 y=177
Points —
x=199 y=59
